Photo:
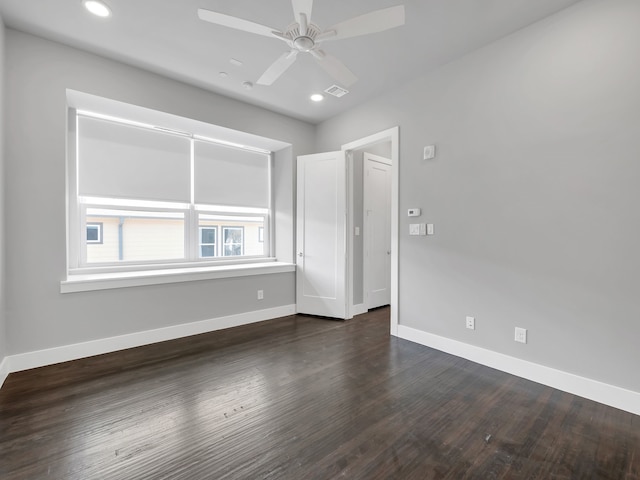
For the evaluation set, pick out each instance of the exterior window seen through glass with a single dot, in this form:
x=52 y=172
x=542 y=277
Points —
x=94 y=232
x=208 y=241
x=233 y=241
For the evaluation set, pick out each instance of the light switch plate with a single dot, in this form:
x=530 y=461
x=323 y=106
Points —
x=414 y=229
x=429 y=152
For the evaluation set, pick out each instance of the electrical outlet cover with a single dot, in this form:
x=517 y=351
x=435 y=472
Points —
x=471 y=323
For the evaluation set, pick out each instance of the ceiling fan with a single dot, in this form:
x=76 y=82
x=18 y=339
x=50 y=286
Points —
x=302 y=36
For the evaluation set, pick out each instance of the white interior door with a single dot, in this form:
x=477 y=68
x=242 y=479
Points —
x=320 y=235
x=377 y=231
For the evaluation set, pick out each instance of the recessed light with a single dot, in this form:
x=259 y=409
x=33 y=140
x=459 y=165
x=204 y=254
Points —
x=223 y=74
x=316 y=97
x=99 y=9
x=247 y=85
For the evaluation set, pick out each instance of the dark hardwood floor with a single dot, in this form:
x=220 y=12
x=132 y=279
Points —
x=302 y=398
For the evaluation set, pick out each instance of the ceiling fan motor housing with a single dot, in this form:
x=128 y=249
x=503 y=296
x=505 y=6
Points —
x=306 y=42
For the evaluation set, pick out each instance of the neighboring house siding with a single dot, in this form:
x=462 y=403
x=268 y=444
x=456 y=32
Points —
x=150 y=239
x=153 y=239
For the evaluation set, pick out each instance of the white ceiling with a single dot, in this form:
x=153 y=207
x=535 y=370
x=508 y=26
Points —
x=166 y=36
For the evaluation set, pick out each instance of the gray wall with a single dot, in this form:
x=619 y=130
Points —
x=39 y=317
x=534 y=192
x=3 y=342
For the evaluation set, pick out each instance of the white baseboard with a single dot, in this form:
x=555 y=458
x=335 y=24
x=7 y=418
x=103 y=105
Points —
x=611 y=395
x=359 y=309
x=40 y=358
x=4 y=370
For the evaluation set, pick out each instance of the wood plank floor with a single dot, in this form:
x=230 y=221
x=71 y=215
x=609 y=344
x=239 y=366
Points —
x=302 y=398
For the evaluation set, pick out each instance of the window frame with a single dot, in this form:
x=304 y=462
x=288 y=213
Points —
x=77 y=209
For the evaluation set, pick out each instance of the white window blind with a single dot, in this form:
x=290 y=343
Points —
x=153 y=191
x=125 y=161
x=229 y=176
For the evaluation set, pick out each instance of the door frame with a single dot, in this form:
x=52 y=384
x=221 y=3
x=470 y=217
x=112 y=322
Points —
x=366 y=261
x=390 y=135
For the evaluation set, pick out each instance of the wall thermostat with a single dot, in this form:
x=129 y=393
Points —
x=413 y=212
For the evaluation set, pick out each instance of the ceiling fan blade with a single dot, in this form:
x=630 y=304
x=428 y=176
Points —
x=235 y=22
x=277 y=68
x=304 y=24
x=372 y=22
x=335 y=68
x=302 y=7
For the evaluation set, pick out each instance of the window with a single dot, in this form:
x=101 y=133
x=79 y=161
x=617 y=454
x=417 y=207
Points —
x=233 y=241
x=208 y=242
x=94 y=232
x=148 y=196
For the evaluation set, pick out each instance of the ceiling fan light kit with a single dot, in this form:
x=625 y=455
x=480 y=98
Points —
x=302 y=36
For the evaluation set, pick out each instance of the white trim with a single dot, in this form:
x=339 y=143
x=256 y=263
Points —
x=611 y=395
x=4 y=370
x=395 y=229
x=377 y=158
x=359 y=309
x=104 y=281
x=66 y=353
x=349 y=240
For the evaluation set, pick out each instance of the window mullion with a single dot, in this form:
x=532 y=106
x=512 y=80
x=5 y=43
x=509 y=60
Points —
x=269 y=239
x=82 y=233
x=192 y=242
x=192 y=230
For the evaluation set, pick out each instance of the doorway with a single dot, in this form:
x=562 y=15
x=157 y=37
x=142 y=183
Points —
x=329 y=268
x=376 y=231
x=384 y=144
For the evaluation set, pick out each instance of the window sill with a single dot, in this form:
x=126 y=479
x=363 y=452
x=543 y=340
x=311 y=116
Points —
x=104 y=281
